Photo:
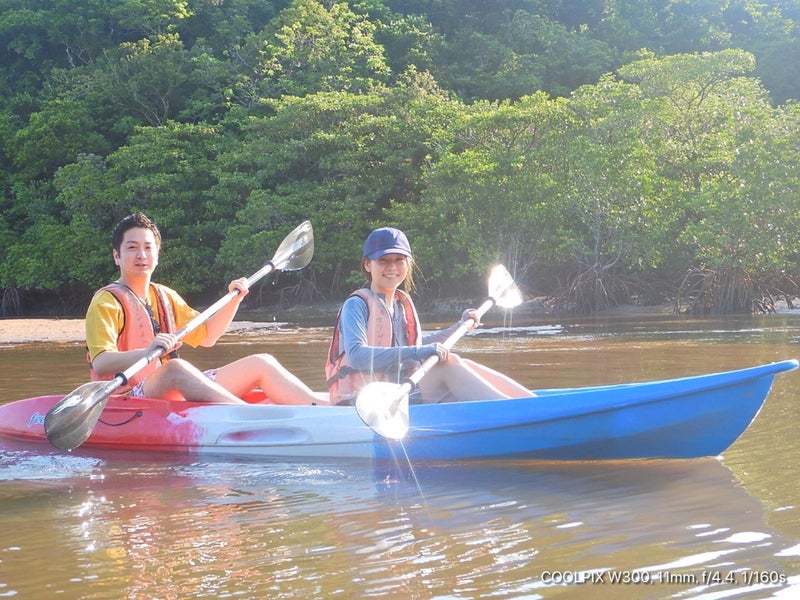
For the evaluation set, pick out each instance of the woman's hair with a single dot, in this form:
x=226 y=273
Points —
x=129 y=222
x=408 y=282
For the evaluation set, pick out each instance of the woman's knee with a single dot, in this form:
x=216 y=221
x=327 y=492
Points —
x=454 y=363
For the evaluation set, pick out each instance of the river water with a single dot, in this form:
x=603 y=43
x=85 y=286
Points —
x=107 y=525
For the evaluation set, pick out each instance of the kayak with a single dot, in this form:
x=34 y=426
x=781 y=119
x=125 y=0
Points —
x=689 y=417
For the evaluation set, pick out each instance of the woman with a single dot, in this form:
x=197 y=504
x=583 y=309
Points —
x=378 y=336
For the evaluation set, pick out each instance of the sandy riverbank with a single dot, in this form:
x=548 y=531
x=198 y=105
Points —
x=18 y=331
x=63 y=331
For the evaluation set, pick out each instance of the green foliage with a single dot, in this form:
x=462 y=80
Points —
x=55 y=136
x=311 y=48
x=602 y=150
x=488 y=195
x=336 y=158
x=148 y=78
x=35 y=260
x=167 y=173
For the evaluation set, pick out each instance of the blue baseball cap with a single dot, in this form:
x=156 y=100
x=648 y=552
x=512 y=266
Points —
x=386 y=240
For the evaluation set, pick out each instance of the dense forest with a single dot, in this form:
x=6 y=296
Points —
x=606 y=151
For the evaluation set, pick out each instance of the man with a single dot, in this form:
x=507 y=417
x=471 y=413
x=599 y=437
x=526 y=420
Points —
x=131 y=317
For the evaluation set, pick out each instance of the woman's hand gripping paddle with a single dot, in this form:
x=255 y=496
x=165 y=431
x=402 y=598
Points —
x=71 y=421
x=383 y=406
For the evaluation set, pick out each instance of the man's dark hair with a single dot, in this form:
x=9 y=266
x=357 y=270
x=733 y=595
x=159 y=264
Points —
x=129 y=222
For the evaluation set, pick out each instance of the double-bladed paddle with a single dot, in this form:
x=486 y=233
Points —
x=383 y=406
x=71 y=421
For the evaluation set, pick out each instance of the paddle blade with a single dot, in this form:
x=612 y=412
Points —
x=296 y=250
x=383 y=407
x=502 y=288
x=71 y=421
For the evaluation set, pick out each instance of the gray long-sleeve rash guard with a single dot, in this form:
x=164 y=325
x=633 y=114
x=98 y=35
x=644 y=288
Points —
x=353 y=339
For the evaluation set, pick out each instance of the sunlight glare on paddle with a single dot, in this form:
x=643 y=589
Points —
x=297 y=248
x=76 y=397
x=383 y=410
x=503 y=289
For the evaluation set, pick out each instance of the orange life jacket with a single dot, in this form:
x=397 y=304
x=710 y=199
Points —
x=344 y=382
x=137 y=329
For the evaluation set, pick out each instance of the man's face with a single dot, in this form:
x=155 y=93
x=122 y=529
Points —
x=138 y=253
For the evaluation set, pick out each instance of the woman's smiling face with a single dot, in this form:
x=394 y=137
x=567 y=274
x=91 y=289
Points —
x=387 y=273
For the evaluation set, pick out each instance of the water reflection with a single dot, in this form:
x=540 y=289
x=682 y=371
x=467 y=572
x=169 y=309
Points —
x=252 y=530
x=121 y=525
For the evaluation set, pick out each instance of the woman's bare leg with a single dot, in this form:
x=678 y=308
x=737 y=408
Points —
x=455 y=380
x=463 y=379
x=504 y=383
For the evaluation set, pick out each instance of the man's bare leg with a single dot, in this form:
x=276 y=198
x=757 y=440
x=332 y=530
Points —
x=265 y=372
x=179 y=378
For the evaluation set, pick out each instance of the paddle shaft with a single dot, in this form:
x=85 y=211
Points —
x=156 y=353
x=432 y=361
x=294 y=253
